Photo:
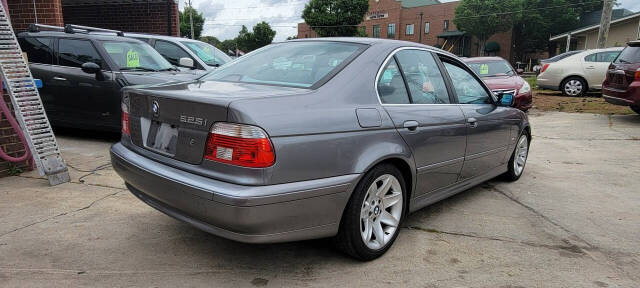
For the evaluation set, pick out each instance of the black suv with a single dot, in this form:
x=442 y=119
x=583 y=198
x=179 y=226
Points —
x=82 y=72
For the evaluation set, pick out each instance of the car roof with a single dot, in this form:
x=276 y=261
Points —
x=373 y=41
x=483 y=59
x=585 y=52
x=156 y=36
x=82 y=35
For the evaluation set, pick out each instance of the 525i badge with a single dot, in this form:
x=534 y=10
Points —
x=193 y=120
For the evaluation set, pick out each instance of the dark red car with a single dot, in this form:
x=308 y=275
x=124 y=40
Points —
x=500 y=77
x=622 y=84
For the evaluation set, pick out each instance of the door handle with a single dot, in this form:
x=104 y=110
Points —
x=591 y=67
x=473 y=122
x=412 y=125
x=59 y=78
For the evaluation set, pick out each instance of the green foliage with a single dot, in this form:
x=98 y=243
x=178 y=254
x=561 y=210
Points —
x=246 y=41
x=227 y=46
x=14 y=170
x=185 y=27
x=335 y=17
x=483 y=18
x=211 y=40
x=292 y=37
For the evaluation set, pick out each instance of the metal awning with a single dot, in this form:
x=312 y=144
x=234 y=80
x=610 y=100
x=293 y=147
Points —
x=449 y=34
x=101 y=2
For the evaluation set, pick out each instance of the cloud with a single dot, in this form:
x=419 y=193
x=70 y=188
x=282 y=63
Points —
x=224 y=19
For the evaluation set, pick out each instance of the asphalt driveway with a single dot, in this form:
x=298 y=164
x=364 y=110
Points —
x=573 y=220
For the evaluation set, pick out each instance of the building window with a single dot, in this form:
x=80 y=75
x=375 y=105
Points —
x=409 y=29
x=391 y=31
x=426 y=28
x=446 y=25
x=376 y=31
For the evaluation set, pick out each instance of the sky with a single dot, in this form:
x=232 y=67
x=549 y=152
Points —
x=224 y=18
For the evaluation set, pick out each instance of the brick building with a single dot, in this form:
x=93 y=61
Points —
x=144 y=16
x=424 y=21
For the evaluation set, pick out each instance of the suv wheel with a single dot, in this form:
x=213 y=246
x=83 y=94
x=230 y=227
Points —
x=371 y=221
x=574 y=86
x=635 y=109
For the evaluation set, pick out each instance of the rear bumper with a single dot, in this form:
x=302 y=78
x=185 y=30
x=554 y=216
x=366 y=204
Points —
x=252 y=214
x=627 y=97
x=547 y=83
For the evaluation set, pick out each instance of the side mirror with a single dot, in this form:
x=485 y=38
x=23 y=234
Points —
x=90 y=68
x=519 y=71
x=186 y=62
x=506 y=99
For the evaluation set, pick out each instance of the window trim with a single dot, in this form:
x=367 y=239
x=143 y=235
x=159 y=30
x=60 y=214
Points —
x=445 y=76
x=426 y=31
x=373 y=31
x=392 y=36
x=413 y=29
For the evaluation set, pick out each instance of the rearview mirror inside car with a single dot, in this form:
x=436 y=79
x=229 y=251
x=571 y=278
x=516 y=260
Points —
x=90 y=68
x=506 y=99
x=186 y=62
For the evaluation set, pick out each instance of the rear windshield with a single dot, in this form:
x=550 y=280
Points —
x=631 y=54
x=562 y=56
x=492 y=68
x=296 y=64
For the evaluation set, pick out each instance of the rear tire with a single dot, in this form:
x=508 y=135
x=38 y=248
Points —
x=635 y=109
x=371 y=221
x=518 y=159
x=574 y=87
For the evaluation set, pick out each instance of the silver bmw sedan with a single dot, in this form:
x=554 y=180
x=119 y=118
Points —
x=330 y=137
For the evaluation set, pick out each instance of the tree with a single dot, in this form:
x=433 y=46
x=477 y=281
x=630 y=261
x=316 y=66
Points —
x=228 y=46
x=335 y=17
x=244 y=39
x=211 y=40
x=484 y=18
x=185 y=27
x=262 y=35
x=292 y=37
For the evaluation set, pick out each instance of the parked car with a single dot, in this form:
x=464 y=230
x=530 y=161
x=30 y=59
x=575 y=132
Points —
x=578 y=73
x=498 y=74
x=331 y=137
x=184 y=52
x=622 y=84
x=83 y=73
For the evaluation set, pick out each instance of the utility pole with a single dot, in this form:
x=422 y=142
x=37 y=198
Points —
x=605 y=22
x=420 y=29
x=191 y=19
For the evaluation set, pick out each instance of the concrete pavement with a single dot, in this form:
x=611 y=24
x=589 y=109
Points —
x=572 y=220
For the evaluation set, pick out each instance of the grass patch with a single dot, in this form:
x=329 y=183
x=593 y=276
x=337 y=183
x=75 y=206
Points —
x=533 y=81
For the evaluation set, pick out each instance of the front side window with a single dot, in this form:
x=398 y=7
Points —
x=376 y=31
x=409 y=29
x=426 y=28
x=391 y=86
x=74 y=53
x=38 y=49
x=492 y=69
x=391 y=31
x=467 y=87
x=207 y=53
x=423 y=77
x=171 y=52
x=295 y=64
x=135 y=56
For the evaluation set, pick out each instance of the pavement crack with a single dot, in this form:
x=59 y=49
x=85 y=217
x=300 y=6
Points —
x=60 y=215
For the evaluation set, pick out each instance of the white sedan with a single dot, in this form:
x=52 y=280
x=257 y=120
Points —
x=576 y=74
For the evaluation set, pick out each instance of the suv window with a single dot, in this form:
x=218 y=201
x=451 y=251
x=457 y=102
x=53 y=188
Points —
x=426 y=85
x=467 y=87
x=170 y=51
x=391 y=85
x=74 y=53
x=38 y=49
x=631 y=54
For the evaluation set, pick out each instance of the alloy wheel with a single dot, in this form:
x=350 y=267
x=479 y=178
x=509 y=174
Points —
x=381 y=211
x=522 y=151
x=573 y=87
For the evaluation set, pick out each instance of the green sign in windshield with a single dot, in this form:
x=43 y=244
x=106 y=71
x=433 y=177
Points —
x=484 y=69
x=133 y=59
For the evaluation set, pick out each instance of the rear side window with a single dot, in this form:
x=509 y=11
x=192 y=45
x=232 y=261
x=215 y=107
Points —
x=607 y=57
x=391 y=85
x=631 y=54
x=74 y=53
x=38 y=49
x=171 y=52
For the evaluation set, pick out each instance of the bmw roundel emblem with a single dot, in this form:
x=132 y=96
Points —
x=155 y=107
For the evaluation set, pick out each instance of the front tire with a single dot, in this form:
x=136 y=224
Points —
x=635 y=109
x=371 y=221
x=574 y=87
x=518 y=159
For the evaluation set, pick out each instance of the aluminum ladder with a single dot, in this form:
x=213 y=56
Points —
x=28 y=106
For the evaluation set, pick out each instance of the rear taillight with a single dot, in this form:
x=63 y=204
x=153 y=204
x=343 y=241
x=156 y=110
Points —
x=636 y=76
x=239 y=144
x=125 y=115
x=544 y=67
